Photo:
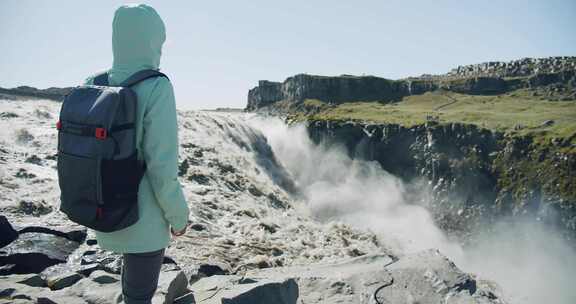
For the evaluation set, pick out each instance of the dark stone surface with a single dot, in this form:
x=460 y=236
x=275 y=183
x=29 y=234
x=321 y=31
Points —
x=212 y=269
x=34 y=281
x=285 y=292
x=34 y=252
x=22 y=263
x=7 y=232
x=73 y=235
x=61 y=280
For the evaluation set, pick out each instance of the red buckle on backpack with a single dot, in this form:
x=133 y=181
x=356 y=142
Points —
x=100 y=133
x=58 y=125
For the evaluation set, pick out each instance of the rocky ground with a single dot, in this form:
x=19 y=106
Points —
x=252 y=239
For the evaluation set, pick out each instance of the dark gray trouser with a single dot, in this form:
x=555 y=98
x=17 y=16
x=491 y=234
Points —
x=140 y=273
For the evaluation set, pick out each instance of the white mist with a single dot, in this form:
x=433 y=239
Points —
x=532 y=264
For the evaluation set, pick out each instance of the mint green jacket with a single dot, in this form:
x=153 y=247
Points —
x=137 y=38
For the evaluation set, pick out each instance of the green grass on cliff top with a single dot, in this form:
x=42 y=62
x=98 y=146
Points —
x=516 y=113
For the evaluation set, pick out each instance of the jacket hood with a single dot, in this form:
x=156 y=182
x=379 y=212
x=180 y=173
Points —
x=138 y=34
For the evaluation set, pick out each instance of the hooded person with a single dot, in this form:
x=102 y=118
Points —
x=138 y=34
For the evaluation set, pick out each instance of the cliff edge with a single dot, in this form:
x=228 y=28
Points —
x=555 y=75
x=491 y=140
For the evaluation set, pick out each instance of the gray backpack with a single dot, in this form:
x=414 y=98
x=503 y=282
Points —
x=98 y=168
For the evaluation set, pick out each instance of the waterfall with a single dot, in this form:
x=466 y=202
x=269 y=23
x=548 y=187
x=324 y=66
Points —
x=532 y=263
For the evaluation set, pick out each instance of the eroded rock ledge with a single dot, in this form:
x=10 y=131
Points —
x=476 y=175
x=26 y=92
x=485 y=78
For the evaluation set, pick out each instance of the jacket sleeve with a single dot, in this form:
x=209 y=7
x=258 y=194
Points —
x=160 y=151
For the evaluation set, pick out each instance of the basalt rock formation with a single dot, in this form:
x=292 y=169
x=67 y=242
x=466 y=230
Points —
x=475 y=175
x=26 y=92
x=485 y=78
x=516 y=68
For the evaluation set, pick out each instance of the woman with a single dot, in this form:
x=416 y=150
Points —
x=138 y=33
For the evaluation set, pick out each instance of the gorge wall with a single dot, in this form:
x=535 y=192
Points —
x=485 y=78
x=475 y=175
x=516 y=68
x=26 y=92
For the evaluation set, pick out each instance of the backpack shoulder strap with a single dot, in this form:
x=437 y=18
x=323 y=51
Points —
x=141 y=76
x=101 y=79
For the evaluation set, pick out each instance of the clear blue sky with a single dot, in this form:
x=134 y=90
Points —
x=217 y=50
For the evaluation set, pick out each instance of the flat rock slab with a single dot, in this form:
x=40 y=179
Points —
x=223 y=289
x=72 y=233
x=99 y=288
x=429 y=277
x=34 y=252
x=52 y=246
x=64 y=280
x=171 y=285
x=424 y=277
x=102 y=277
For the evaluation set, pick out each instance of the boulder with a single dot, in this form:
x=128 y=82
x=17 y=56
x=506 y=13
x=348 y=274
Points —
x=32 y=280
x=199 y=271
x=63 y=281
x=171 y=285
x=233 y=289
x=60 y=276
x=34 y=252
x=102 y=277
x=263 y=291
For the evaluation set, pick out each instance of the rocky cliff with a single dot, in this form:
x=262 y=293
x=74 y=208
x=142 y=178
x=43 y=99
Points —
x=516 y=68
x=480 y=164
x=555 y=73
x=26 y=92
x=474 y=175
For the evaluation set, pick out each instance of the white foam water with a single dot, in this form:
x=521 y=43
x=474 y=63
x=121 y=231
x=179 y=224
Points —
x=530 y=262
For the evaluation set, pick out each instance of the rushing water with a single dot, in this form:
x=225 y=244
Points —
x=530 y=262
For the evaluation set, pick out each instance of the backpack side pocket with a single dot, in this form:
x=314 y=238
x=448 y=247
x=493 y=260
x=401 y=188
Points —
x=120 y=184
x=79 y=180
